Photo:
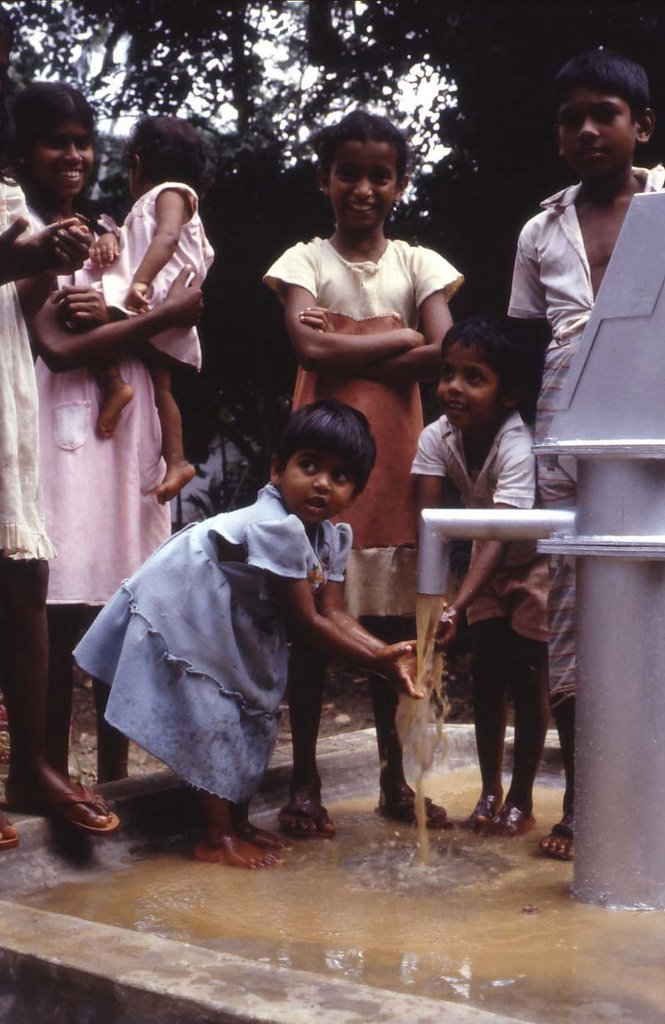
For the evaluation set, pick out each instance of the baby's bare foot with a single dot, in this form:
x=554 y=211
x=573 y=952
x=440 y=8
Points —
x=117 y=395
x=237 y=853
x=177 y=475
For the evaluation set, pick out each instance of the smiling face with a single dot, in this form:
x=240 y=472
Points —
x=470 y=392
x=59 y=164
x=362 y=185
x=314 y=485
x=597 y=133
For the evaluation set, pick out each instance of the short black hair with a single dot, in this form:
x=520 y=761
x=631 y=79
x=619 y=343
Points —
x=170 y=148
x=41 y=107
x=605 y=71
x=334 y=428
x=517 y=365
x=360 y=126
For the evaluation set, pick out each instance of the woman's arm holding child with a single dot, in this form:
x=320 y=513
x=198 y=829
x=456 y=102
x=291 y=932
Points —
x=59 y=249
x=421 y=363
x=34 y=260
x=322 y=632
x=318 y=347
x=172 y=211
x=64 y=349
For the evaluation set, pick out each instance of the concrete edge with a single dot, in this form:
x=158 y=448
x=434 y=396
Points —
x=107 y=974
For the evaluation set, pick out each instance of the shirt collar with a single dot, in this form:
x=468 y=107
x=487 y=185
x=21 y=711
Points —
x=512 y=421
x=652 y=180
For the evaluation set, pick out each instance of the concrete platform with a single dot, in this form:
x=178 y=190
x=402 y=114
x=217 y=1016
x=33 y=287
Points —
x=56 y=968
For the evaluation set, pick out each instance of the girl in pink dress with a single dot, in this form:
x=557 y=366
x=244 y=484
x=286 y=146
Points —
x=101 y=510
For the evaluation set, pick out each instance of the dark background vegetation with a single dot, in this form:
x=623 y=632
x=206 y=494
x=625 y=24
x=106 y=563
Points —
x=502 y=56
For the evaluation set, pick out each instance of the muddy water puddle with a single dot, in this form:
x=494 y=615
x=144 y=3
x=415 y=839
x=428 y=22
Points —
x=487 y=923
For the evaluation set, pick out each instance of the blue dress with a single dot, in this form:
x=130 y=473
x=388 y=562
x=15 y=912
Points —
x=193 y=646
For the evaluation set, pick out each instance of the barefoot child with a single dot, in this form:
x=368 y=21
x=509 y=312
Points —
x=161 y=234
x=194 y=645
x=352 y=303
x=480 y=450
x=602 y=114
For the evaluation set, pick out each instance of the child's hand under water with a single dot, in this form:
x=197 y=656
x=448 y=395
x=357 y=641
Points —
x=397 y=663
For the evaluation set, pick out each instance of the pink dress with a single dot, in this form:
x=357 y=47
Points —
x=193 y=248
x=100 y=510
x=101 y=513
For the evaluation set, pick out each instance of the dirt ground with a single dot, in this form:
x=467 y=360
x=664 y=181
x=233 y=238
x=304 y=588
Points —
x=347 y=707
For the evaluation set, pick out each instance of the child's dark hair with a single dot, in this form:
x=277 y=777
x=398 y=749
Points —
x=517 y=365
x=335 y=428
x=170 y=149
x=360 y=126
x=604 y=71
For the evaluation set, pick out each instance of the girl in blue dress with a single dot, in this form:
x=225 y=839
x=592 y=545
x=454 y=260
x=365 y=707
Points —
x=193 y=646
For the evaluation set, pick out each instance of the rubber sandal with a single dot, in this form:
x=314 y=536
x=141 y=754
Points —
x=289 y=816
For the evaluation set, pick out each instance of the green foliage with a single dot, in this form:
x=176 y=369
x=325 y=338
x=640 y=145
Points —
x=259 y=77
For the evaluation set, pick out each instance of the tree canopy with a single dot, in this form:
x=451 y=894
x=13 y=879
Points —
x=470 y=79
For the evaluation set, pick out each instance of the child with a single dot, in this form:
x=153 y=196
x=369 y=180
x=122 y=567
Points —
x=101 y=511
x=161 y=234
x=24 y=546
x=602 y=113
x=352 y=304
x=481 y=448
x=194 y=645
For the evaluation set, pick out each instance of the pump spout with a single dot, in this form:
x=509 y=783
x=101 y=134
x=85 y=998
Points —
x=438 y=526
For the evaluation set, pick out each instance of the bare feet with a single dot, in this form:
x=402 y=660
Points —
x=560 y=843
x=236 y=853
x=511 y=821
x=177 y=475
x=305 y=817
x=403 y=809
x=8 y=834
x=117 y=395
x=488 y=807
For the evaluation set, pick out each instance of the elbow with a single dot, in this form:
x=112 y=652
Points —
x=169 y=239
x=56 y=361
x=311 y=355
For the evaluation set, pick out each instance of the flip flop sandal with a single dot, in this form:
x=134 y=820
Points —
x=510 y=823
x=7 y=842
x=56 y=807
x=59 y=806
x=288 y=815
x=405 y=812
